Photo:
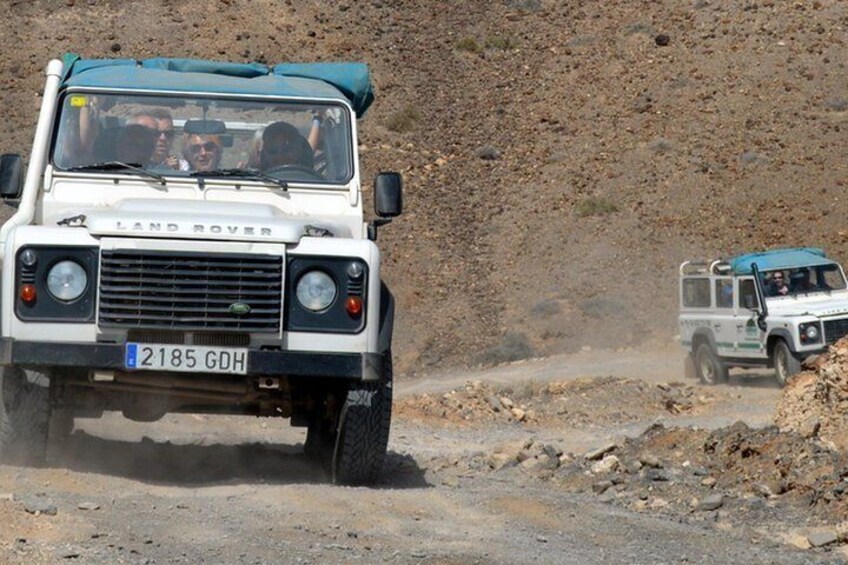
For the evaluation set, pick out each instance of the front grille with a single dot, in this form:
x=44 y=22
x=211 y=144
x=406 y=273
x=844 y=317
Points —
x=190 y=291
x=176 y=337
x=835 y=329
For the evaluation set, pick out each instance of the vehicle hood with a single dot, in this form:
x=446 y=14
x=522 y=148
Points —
x=197 y=219
x=819 y=305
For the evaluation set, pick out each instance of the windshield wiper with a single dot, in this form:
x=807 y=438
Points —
x=118 y=166
x=244 y=174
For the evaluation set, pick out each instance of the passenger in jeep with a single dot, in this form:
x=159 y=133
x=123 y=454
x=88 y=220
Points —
x=777 y=285
x=201 y=152
x=801 y=281
x=160 y=121
x=282 y=145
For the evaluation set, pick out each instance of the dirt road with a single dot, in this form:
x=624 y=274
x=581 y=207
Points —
x=202 y=489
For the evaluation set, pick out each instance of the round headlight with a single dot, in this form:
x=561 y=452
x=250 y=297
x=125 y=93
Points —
x=67 y=280
x=316 y=290
x=812 y=332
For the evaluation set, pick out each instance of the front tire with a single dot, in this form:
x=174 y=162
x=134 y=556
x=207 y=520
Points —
x=709 y=367
x=785 y=363
x=24 y=416
x=363 y=434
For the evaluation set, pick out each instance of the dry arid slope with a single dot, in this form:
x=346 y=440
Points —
x=617 y=157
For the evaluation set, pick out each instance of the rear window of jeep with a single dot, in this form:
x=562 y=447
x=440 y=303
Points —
x=696 y=293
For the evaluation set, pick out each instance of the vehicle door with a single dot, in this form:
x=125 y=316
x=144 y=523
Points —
x=750 y=340
x=724 y=322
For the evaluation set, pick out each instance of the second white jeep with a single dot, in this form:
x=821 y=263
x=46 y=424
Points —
x=770 y=309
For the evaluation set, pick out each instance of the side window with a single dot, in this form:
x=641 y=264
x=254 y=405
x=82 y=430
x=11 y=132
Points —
x=724 y=293
x=696 y=293
x=748 y=294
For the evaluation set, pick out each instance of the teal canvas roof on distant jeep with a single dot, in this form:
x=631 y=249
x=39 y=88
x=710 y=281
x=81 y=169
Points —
x=790 y=258
x=350 y=81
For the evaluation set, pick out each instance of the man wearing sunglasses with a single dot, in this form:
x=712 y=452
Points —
x=159 y=120
x=777 y=285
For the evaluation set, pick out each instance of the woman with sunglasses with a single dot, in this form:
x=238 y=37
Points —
x=201 y=152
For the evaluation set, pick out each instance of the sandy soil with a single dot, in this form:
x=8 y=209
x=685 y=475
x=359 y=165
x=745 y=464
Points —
x=233 y=490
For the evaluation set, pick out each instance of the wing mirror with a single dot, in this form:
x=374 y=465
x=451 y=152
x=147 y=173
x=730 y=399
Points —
x=388 y=195
x=388 y=201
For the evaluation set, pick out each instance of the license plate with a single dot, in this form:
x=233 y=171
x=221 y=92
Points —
x=186 y=358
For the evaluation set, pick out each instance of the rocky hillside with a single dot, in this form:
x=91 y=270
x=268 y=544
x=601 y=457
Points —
x=560 y=158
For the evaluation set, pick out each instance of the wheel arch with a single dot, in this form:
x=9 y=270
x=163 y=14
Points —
x=774 y=336
x=703 y=335
x=387 y=318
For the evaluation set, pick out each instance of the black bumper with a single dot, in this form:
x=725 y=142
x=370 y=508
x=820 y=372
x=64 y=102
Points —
x=106 y=356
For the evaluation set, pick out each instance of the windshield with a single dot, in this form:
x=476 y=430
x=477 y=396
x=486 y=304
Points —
x=169 y=135
x=803 y=280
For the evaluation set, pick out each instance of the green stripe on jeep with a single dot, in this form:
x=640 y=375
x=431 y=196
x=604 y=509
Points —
x=724 y=344
x=750 y=346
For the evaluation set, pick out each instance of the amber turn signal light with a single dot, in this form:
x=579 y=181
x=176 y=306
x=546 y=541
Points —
x=353 y=305
x=27 y=294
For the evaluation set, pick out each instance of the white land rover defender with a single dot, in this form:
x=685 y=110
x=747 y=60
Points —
x=772 y=309
x=189 y=237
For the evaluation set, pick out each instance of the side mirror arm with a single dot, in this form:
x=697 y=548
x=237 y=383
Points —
x=374 y=225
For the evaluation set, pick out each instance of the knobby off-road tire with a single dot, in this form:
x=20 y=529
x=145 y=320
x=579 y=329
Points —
x=363 y=434
x=709 y=367
x=785 y=363
x=24 y=416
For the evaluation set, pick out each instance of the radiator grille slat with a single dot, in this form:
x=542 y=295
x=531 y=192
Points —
x=835 y=329
x=190 y=291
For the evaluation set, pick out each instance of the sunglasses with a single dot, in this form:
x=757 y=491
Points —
x=168 y=133
x=209 y=147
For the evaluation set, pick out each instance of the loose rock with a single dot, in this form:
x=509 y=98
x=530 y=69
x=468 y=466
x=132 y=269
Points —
x=601 y=487
x=650 y=460
x=821 y=539
x=711 y=502
x=488 y=153
x=600 y=452
x=38 y=506
x=606 y=465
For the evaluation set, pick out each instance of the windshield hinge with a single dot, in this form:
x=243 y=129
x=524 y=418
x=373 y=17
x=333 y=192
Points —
x=317 y=231
x=72 y=221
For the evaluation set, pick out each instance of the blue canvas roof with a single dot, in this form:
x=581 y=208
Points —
x=791 y=258
x=350 y=81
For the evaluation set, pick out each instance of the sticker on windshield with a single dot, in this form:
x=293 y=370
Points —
x=77 y=101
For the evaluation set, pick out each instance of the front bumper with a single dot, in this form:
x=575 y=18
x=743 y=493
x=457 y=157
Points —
x=110 y=356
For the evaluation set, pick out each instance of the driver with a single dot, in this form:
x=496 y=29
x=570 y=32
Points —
x=282 y=145
x=134 y=144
